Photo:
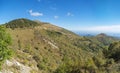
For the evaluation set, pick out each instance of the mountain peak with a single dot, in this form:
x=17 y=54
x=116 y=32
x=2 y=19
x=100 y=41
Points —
x=101 y=34
x=21 y=23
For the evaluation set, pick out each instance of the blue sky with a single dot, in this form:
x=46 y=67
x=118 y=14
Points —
x=77 y=15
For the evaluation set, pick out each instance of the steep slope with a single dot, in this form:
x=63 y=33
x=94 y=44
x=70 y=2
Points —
x=39 y=50
x=44 y=48
x=45 y=44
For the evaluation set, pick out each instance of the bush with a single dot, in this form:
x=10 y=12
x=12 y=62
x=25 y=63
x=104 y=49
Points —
x=114 y=51
x=5 y=41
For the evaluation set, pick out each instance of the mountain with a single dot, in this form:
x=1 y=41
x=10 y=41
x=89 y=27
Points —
x=103 y=39
x=41 y=47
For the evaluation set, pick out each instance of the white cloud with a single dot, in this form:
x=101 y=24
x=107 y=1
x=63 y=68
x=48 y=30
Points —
x=56 y=17
x=69 y=14
x=104 y=29
x=35 y=13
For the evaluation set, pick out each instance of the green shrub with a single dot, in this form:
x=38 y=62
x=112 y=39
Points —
x=5 y=41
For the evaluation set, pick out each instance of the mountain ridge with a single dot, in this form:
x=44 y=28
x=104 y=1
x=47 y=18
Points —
x=46 y=48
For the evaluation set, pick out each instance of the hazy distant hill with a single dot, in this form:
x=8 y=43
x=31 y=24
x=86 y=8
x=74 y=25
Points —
x=103 y=39
x=44 y=48
x=89 y=33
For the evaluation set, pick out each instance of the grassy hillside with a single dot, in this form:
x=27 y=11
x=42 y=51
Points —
x=46 y=48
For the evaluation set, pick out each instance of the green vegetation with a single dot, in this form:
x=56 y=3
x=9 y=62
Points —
x=5 y=41
x=114 y=51
x=21 y=23
x=55 y=50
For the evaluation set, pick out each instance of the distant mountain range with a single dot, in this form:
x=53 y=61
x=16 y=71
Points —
x=81 y=33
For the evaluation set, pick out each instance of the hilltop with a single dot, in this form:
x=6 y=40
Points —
x=41 y=47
